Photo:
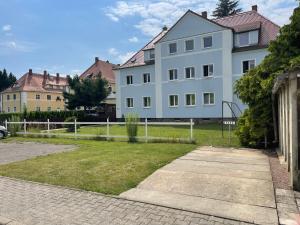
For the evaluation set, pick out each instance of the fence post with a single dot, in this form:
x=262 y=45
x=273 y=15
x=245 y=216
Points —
x=191 y=132
x=25 y=130
x=107 y=128
x=146 y=129
x=48 y=126
x=75 y=128
x=6 y=125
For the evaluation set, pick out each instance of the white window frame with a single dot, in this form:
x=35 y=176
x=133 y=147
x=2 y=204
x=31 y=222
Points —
x=173 y=75
x=129 y=107
x=8 y=109
x=238 y=39
x=50 y=98
x=172 y=53
x=15 y=109
x=169 y=102
x=49 y=107
x=242 y=64
x=153 y=51
x=146 y=107
x=127 y=80
x=148 y=80
x=189 y=67
x=37 y=98
x=38 y=109
x=213 y=73
x=185 y=96
x=14 y=97
x=185 y=45
x=212 y=43
x=209 y=104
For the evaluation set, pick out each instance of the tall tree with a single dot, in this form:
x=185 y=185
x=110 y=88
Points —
x=6 y=80
x=86 y=93
x=226 y=8
x=255 y=87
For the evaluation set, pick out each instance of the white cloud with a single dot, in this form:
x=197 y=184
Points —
x=153 y=15
x=6 y=28
x=119 y=57
x=133 y=40
x=19 y=46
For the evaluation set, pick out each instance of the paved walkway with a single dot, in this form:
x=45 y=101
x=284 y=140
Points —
x=12 y=152
x=38 y=204
x=234 y=184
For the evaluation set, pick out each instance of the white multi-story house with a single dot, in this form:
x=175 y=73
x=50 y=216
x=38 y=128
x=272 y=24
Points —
x=188 y=70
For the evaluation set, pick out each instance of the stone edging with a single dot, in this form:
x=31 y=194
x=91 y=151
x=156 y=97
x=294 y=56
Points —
x=6 y=221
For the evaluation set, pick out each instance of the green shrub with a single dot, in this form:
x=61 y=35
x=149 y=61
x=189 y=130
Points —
x=71 y=127
x=14 y=128
x=132 y=121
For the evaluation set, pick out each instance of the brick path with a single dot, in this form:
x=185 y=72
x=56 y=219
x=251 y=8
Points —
x=33 y=204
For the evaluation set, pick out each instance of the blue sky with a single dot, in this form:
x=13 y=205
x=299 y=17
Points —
x=65 y=35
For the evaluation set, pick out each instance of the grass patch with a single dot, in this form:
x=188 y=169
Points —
x=106 y=167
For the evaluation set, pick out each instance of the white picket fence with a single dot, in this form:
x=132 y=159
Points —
x=49 y=132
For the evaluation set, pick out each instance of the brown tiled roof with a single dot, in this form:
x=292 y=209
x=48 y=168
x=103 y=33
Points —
x=102 y=67
x=250 y=21
x=38 y=82
x=240 y=22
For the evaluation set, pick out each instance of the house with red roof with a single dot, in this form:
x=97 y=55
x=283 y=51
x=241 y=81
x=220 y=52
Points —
x=189 y=70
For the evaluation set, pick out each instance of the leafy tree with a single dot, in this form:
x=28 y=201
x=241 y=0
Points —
x=6 y=80
x=226 y=8
x=255 y=87
x=86 y=93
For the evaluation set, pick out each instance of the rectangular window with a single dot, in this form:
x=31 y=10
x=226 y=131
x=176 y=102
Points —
x=58 y=109
x=152 y=54
x=173 y=100
x=8 y=97
x=8 y=109
x=49 y=109
x=48 y=97
x=147 y=102
x=37 y=97
x=208 y=98
x=248 y=65
x=172 y=48
x=146 y=78
x=190 y=72
x=190 y=99
x=207 y=42
x=38 y=109
x=173 y=74
x=129 y=80
x=189 y=45
x=15 y=96
x=208 y=70
x=244 y=39
x=129 y=102
x=15 y=109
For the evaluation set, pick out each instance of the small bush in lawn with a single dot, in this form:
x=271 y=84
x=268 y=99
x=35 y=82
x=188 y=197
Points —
x=132 y=121
x=14 y=128
x=71 y=127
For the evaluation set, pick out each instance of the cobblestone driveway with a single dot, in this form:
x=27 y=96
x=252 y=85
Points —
x=33 y=204
x=12 y=152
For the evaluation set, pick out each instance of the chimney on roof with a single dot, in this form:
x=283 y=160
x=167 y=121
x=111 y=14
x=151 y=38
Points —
x=107 y=61
x=57 y=78
x=96 y=59
x=165 y=28
x=204 y=14
x=30 y=72
x=254 y=8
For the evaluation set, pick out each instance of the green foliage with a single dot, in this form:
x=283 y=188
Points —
x=6 y=80
x=226 y=8
x=86 y=93
x=71 y=127
x=132 y=121
x=255 y=87
x=14 y=128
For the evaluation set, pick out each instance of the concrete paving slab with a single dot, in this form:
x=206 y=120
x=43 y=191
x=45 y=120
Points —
x=224 y=182
x=240 y=212
x=194 y=167
x=225 y=188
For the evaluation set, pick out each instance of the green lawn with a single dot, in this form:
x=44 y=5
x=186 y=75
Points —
x=204 y=134
x=106 y=167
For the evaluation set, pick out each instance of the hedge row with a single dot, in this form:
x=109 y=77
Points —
x=53 y=116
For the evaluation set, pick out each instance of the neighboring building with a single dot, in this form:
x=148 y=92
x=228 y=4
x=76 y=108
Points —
x=286 y=111
x=188 y=70
x=105 y=70
x=36 y=92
